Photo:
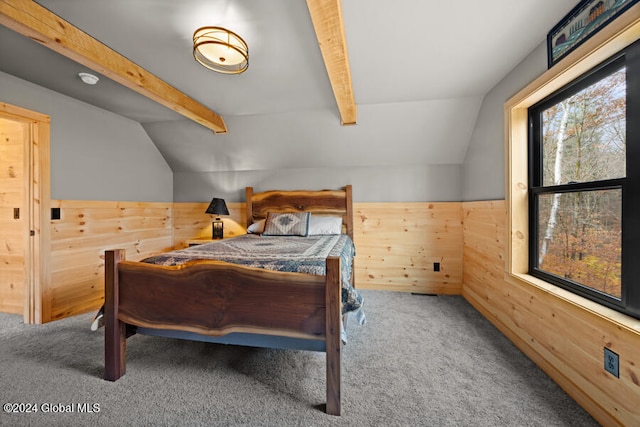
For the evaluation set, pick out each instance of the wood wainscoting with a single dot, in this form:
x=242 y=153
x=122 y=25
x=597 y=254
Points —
x=191 y=222
x=563 y=334
x=78 y=241
x=397 y=244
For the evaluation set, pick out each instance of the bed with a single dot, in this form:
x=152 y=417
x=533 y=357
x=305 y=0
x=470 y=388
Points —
x=273 y=300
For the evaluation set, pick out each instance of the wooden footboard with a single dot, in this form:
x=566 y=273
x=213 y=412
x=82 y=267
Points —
x=213 y=298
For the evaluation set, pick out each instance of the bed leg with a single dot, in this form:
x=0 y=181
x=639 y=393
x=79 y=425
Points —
x=345 y=317
x=115 y=338
x=333 y=335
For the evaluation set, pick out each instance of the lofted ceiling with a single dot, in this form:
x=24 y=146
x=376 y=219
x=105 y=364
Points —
x=419 y=71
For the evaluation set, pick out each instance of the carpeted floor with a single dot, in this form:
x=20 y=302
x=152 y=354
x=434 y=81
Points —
x=418 y=361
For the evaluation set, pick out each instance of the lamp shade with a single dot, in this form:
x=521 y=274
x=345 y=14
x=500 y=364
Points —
x=217 y=207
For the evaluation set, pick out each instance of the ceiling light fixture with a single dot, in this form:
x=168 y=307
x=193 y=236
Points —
x=220 y=50
x=89 y=79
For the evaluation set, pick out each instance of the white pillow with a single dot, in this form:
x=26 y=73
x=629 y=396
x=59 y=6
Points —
x=257 y=227
x=323 y=224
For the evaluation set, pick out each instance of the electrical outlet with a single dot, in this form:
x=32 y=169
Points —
x=611 y=362
x=436 y=266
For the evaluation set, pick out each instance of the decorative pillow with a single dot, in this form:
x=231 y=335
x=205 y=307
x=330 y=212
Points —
x=287 y=224
x=257 y=227
x=319 y=224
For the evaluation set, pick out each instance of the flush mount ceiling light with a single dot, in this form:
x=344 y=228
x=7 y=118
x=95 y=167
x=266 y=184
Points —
x=89 y=79
x=220 y=50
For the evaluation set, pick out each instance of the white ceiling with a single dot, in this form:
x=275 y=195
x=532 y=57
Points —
x=419 y=68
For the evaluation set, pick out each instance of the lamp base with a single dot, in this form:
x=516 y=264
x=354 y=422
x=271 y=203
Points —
x=217 y=229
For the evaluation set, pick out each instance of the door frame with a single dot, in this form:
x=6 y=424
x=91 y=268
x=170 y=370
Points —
x=37 y=301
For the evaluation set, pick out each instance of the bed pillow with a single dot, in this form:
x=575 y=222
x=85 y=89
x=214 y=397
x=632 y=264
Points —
x=287 y=224
x=257 y=227
x=319 y=224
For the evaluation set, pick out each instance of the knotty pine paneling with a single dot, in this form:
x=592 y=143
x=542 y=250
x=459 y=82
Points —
x=396 y=243
x=88 y=228
x=564 y=338
x=191 y=222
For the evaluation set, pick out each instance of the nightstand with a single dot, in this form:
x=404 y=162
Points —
x=201 y=241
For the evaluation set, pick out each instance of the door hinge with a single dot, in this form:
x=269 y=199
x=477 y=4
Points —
x=16 y=213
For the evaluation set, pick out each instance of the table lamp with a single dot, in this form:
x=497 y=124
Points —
x=217 y=207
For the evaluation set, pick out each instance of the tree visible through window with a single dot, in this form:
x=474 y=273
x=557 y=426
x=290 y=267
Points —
x=583 y=140
x=584 y=202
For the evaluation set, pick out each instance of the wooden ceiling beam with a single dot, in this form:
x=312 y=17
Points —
x=39 y=24
x=326 y=16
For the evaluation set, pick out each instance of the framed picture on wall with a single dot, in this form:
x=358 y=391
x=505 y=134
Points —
x=582 y=22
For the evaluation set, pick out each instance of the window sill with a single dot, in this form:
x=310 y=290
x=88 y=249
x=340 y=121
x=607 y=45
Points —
x=607 y=314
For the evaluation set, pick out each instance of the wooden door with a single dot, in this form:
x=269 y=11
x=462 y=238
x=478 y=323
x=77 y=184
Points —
x=24 y=213
x=14 y=214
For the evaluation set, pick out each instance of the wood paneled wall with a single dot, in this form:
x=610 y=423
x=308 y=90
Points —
x=565 y=339
x=78 y=241
x=396 y=243
x=191 y=222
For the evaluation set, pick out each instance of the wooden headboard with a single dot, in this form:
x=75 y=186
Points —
x=322 y=202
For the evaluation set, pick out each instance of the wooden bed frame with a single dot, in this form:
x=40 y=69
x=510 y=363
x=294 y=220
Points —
x=208 y=300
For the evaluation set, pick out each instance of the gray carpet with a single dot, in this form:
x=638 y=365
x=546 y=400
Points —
x=419 y=361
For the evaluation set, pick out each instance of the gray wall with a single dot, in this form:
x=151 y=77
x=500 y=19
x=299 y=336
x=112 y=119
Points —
x=394 y=153
x=95 y=155
x=370 y=184
x=483 y=171
x=480 y=177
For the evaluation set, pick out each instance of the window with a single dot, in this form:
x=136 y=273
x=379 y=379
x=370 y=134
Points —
x=584 y=184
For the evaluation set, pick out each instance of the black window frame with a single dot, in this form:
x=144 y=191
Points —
x=629 y=303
